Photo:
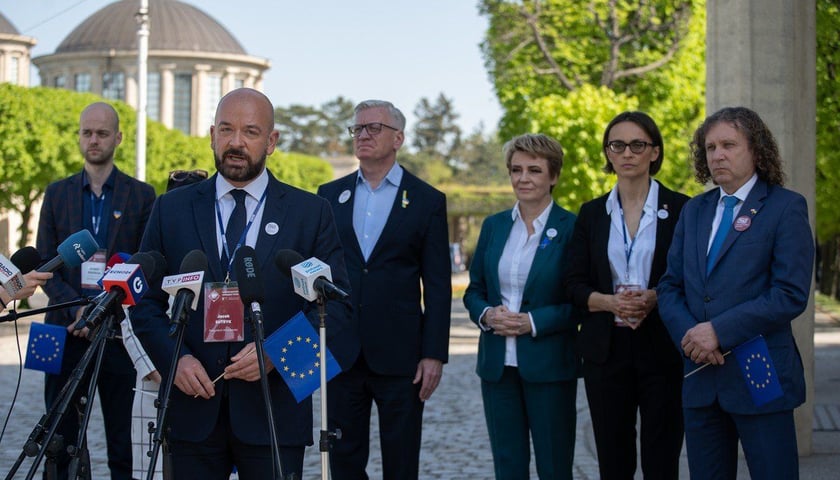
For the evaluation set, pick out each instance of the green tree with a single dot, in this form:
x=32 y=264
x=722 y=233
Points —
x=480 y=161
x=320 y=131
x=565 y=67
x=436 y=133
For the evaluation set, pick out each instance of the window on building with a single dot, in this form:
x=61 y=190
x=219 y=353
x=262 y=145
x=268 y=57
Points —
x=182 y=102
x=60 y=81
x=14 y=70
x=212 y=94
x=82 y=82
x=113 y=85
x=153 y=96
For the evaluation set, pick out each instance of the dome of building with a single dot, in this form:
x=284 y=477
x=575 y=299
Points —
x=173 y=26
x=7 y=27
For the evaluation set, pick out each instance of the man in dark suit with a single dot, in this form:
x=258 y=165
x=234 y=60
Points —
x=114 y=208
x=215 y=426
x=719 y=293
x=393 y=228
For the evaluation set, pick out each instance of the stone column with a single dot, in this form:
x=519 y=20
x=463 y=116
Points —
x=762 y=54
x=167 y=91
x=200 y=113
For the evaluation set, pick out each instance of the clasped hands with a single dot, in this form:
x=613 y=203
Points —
x=635 y=304
x=507 y=323
x=192 y=379
x=700 y=344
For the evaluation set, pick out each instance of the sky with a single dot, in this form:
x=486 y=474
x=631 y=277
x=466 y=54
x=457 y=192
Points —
x=397 y=50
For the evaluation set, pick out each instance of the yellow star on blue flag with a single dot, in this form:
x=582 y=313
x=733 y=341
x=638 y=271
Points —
x=758 y=370
x=45 y=348
x=295 y=350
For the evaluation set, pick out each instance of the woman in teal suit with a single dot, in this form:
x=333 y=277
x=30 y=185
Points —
x=526 y=357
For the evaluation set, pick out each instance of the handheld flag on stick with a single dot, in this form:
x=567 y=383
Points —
x=295 y=350
x=45 y=348
x=759 y=372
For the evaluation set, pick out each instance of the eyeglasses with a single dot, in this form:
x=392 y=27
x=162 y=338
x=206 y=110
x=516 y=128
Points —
x=181 y=175
x=636 y=146
x=372 y=129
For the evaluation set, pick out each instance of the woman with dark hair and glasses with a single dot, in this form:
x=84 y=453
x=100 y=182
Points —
x=617 y=255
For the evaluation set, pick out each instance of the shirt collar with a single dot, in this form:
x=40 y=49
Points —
x=650 y=202
x=541 y=219
x=394 y=175
x=109 y=183
x=742 y=192
x=254 y=189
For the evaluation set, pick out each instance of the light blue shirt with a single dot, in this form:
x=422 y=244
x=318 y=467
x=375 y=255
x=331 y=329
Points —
x=372 y=207
x=226 y=203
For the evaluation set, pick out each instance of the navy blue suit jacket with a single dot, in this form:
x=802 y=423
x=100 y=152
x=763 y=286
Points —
x=183 y=220
x=760 y=282
x=396 y=329
x=61 y=216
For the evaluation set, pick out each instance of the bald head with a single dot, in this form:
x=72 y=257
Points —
x=99 y=134
x=263 y=110
x=104 y=111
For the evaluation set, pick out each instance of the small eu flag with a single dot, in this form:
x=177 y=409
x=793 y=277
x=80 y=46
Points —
x=295 y=350
x=45 y=348
x=759 y=373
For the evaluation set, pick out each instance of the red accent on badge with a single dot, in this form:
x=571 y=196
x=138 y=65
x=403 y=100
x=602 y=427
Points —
x=742 y=223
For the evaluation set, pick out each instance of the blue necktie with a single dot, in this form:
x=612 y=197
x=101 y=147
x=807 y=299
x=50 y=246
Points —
x=729 y=202
x=235 y=225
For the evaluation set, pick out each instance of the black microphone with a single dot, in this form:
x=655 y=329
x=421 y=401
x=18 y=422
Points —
x=311 y=277
x=26 y=259
x=74 y=250
x=125 y=284
x=251 y=289
x=185 y=287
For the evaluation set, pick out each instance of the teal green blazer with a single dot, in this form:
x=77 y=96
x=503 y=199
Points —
x=550 y=356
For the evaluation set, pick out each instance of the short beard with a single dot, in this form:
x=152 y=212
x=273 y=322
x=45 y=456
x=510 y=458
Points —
x=236 y=174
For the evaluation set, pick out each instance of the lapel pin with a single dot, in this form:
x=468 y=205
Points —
x=753 y=211
x=345 y=195
x=405 y=199
x=742 y=223
x=272 y=228
x=117 y=214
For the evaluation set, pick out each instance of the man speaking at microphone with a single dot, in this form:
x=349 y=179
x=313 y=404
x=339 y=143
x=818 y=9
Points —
x=214 y=426
x=114 y=208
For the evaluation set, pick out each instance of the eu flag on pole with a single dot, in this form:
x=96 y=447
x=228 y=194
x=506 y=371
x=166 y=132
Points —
x=295 y=351
x=759 y=373
x=45 y=348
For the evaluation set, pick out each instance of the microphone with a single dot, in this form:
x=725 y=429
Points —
x=11 y=271
x=251 y=290
x=125 y=284
x=72 y=251
x=185 y=286
x=310 y=277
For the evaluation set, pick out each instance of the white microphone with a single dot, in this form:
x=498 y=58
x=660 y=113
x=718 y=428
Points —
x=185 y=286
x=310 y=277
x=10 y=277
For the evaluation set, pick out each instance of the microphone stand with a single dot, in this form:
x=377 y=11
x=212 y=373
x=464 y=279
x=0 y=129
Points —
x=259 y=338
x=326 y=436
x=14 y=314
x=177 y=330
x=39 y=443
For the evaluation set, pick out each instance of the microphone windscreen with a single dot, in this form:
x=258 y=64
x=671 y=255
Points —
x=146 y=262
x=248 y=276
x=77 y=248
x=26 y=259
x=158 y=266
x=119 y=257
x=194 y=261
x=286 y=259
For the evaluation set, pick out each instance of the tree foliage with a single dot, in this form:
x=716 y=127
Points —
x=39 y=145
x=436 y=133
x=566 y=67
x=828 y=118
x=319 y=131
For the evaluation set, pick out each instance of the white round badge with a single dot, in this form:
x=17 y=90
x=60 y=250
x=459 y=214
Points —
x=662 y=213
x=271 y=228
x=551 y=233
x=345 y=195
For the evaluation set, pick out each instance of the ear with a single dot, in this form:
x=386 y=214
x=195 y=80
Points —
x=212 y=137
x=399 y=138
x=118 y=137
x=272 y=142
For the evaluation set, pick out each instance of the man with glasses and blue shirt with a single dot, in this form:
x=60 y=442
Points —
x=393 y=228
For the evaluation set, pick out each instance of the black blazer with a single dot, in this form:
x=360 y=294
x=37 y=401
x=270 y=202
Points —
x=396 y=329
x=589 y=271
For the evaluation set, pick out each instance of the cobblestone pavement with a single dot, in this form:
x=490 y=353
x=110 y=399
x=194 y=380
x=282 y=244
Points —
x=455 y=443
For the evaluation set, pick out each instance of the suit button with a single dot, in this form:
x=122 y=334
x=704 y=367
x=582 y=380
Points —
x=365 y=270
x=220 y=361
x=707 y=299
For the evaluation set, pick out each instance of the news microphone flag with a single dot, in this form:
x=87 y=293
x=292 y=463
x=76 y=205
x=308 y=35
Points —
x=304 y=275
x=758 y=370
x=129 y=278
x=45 y=348
x=295 y=351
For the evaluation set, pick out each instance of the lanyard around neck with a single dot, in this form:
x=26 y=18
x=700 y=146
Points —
x=242 y=237
x=96 y=219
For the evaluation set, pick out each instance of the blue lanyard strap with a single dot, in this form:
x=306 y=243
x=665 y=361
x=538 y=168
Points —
x=96 y=219
x=242 y=237
x=628 y=247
